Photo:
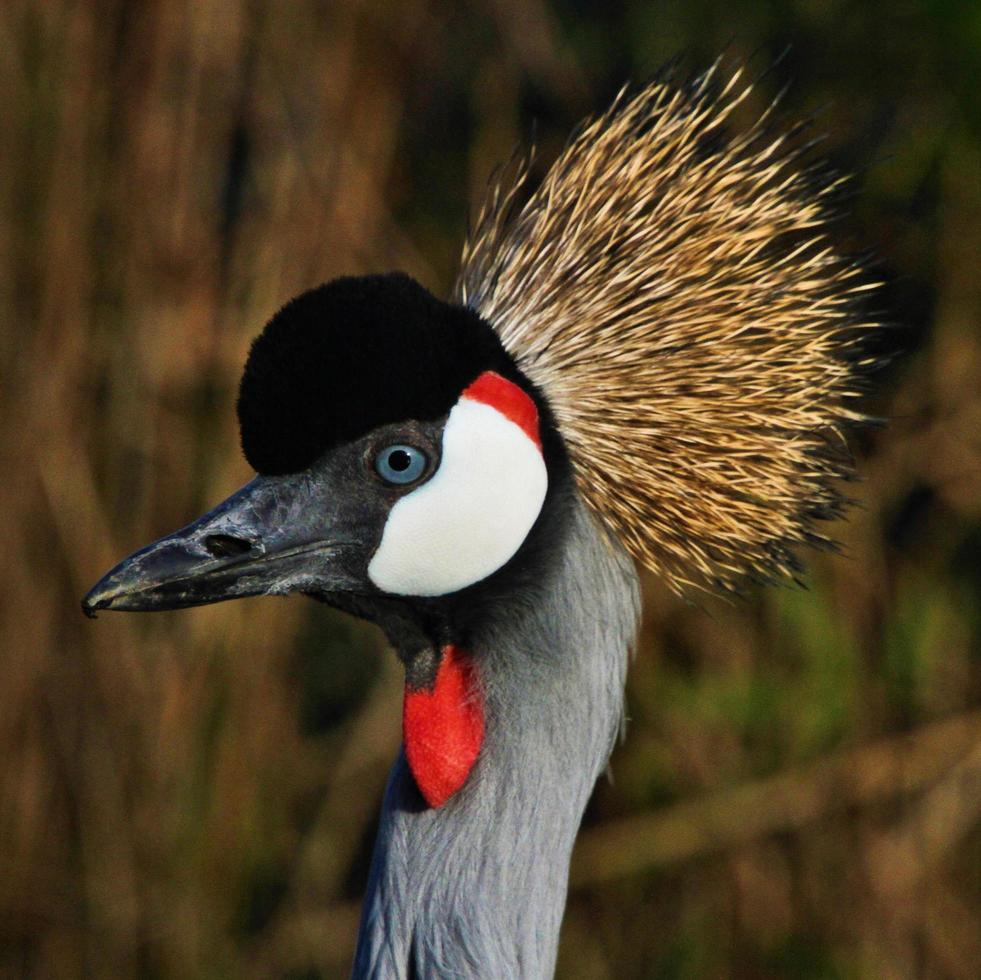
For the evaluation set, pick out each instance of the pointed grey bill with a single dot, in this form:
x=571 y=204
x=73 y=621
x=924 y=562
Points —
x=275 y=535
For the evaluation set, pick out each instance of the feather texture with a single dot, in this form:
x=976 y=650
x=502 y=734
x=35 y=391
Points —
x=476 y=889
x=670 y=289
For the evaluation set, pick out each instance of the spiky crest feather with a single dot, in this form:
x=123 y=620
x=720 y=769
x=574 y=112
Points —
x=671 y=289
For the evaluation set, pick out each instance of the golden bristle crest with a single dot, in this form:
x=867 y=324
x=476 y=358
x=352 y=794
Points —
x=671 y=290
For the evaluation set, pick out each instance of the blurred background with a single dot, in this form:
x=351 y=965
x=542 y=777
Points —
x=193 y=794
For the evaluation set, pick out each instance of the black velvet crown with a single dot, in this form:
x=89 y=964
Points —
x=354 y=354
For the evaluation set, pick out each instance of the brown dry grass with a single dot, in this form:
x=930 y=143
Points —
x=191 y=795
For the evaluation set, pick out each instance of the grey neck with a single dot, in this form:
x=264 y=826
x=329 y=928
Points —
x=477 y=887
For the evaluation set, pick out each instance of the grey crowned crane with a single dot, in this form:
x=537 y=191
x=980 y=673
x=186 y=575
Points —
x=650 y=357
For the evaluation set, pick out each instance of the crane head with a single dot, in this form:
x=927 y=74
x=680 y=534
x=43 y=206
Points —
x=661 y=327
x=402 y=458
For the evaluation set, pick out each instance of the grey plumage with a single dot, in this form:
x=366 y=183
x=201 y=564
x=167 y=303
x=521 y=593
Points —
x=477 y=888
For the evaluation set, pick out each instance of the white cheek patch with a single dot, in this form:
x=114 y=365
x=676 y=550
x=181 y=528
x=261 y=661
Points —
x=471 y=517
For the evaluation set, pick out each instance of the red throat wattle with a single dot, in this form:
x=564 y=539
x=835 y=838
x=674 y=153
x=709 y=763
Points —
x=443 y=728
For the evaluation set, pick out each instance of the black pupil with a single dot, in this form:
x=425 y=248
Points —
x=399 y=460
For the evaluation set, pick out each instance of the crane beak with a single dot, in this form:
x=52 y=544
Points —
x=275 y=535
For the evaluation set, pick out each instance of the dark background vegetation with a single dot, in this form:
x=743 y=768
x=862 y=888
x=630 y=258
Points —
x=192 y=794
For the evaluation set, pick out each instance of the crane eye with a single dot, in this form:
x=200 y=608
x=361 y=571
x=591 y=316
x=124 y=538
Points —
x=401 y=464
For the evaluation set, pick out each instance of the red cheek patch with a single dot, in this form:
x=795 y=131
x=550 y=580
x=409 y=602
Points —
x=505 y=396
x=443 y=728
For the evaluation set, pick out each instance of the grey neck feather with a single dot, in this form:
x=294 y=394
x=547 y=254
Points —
x=477 y=888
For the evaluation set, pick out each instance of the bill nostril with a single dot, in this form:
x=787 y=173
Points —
x=226 y=545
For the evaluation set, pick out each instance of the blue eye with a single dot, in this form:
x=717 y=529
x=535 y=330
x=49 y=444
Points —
x=401 y=464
